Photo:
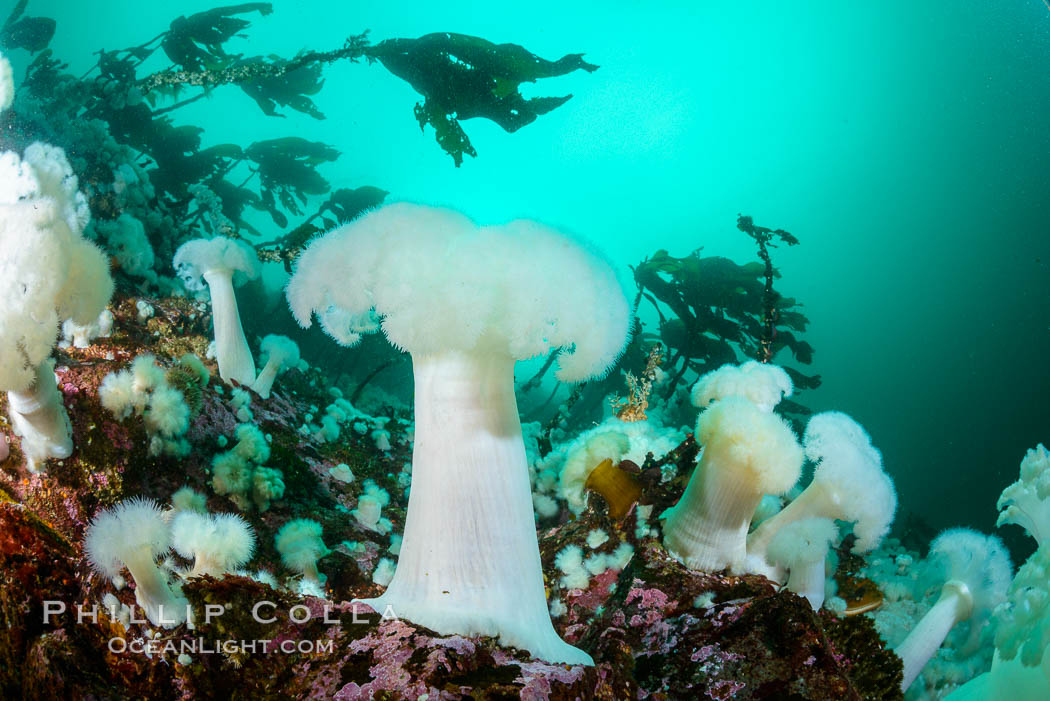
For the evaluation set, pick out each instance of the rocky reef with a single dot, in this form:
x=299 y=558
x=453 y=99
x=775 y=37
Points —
x=656 y=630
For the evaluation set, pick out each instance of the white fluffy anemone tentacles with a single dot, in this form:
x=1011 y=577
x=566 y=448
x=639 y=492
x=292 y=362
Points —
x=979 y=574
x=217 y=543
x=467 y=302
x=48 y=273
x=7 y=84
x=134 y=534
x=300 y=545
x=1026 y=502
x=188 y=499
x=586 y=454
x=848 y=484
x=801 y=548
x=281 y=353
x=763 y=384
x=223 y=263
x=80 y=336
x=747 y=453
x=1021 y=666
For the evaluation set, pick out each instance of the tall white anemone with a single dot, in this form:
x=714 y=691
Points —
x=223 y=263
x=468 y=302
x=978 y=576
x=48 y=273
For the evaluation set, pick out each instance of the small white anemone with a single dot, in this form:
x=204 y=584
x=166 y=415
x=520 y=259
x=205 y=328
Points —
x=239 y=474
x=217 y=543
x=143 y=389
x=979 y=573
x=370 y=506
x=134 y=534
x=168 y=413
x=300 y=545
x=81 y=335
x=188 y=499
x=585 y=455
x=384 y=572
x=267 y=486
x=279 y=353
x=222 y=263
x=761 y=383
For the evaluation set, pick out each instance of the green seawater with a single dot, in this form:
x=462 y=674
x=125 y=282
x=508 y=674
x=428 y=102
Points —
x=906 y=144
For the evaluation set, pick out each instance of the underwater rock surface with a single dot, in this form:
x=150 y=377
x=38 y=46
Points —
x=655 y=629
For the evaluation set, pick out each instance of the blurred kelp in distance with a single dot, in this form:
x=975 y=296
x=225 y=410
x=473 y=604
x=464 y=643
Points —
x=342 y=205
x=30 y=33
x=462 y=77
x=766 y=238
x=710 y=308
x=287 y=171
x=117 y=118
x=118 y=124
x=710 y=311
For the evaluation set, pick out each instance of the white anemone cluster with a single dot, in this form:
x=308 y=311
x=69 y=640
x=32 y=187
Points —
x=1021 y=667
x=138 y=533
x=143 y=390
x=240 y=473
x=48 y=273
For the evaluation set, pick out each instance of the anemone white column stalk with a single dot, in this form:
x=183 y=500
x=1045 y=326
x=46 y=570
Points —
x=707 y=529
x=7 y=84
x=801 y=549
x=159 y=600
x=222 y=263
x=954 y=604
x=470 y=481
x=281 y=353
x=467 y=302
x=264 y=382
x=231 y=345
x=39 y=417
x=979 y=572
x=818 y=500
x=849 y=484
x=48 y=274
x=747 y=453
x=807 y=580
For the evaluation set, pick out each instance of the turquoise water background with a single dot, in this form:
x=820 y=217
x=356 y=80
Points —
x=905 y=142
